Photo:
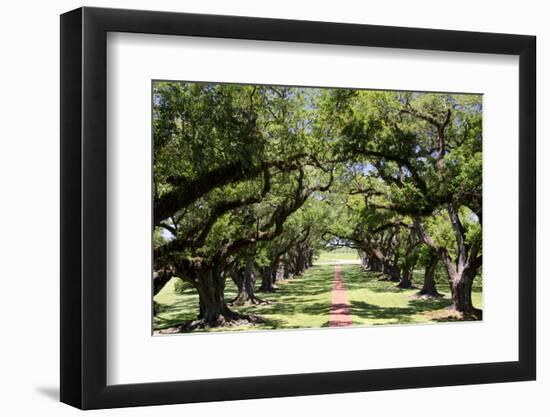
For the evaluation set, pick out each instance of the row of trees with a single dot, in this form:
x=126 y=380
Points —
x=251 y=181
x=415 y=186
x=234 y=172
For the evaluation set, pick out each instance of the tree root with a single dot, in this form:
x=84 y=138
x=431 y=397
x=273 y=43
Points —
x=388 y=278
x=452 y=314
x=405 y=285
x=424 y=294
x=474 y=314
x=272 y=289
x=242 y=301
x=234 y=320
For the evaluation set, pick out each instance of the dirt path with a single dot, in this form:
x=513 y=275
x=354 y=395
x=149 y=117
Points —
x=339 y=311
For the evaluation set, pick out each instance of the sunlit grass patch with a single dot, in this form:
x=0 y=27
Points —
x=335 y=256
x=300 y=302
x=305 y=302
x=375 y=302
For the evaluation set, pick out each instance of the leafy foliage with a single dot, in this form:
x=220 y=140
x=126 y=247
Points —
x=280 y=173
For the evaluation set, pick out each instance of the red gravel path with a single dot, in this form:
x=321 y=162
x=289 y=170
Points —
x=339 y=311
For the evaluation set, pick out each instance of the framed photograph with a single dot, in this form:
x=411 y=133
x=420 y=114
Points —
x=259 y=208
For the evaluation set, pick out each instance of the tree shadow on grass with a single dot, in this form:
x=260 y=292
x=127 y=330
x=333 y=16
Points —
x=305 y=289
x=161 y=322
x=399 y=314
x=276 y=307
x=295 y=296
x=314 y=284
x=421 y=305
x=317 y=309
x=289 y=309
x=391 y=287
x=272 y=323
x=448 y=319
x=374 y=312
x=355 y=277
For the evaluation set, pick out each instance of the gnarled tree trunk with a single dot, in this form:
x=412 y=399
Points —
x=364 y=260
x=391 y=271
x=462 y=271
x=406 y=279
x=280 y=272
x=408 y=269
x=268 y=277
x=161 y=278
x=288 y=272
x=245 y=281
x=213 y=310
x=429 y=288
x=461 y=293
x=299 y=264
x=375 y=265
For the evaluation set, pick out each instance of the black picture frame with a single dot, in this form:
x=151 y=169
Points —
x=84 y=207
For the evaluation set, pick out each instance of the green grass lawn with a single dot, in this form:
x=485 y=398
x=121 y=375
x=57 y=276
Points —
x=304 y=302
x=375 y=302
x=300 y=302
x=336 y=255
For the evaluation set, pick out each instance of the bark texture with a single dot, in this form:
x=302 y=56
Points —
x=429 y=287
x=461 y=271
x=245 y=281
